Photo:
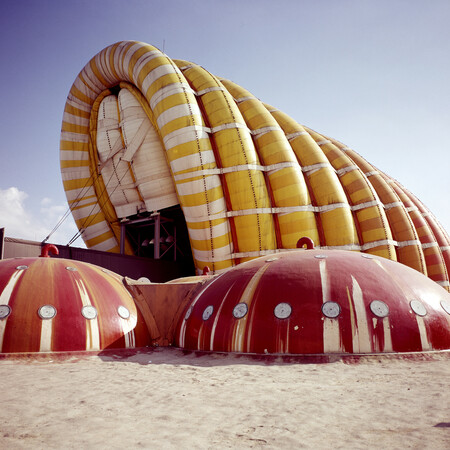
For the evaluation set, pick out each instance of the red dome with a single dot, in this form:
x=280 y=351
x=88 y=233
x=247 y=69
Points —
x=53 y=304
x=315 y=302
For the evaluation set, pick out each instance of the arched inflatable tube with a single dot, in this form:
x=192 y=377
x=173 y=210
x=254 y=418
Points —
x=142 y=132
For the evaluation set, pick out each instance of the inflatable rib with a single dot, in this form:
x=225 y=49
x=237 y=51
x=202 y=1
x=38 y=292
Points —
x=143 y=133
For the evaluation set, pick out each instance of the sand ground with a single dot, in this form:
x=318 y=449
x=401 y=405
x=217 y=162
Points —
x=167 y=399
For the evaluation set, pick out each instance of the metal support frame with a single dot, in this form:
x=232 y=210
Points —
x=157 y=221
x=122 y=236
x=156 y=245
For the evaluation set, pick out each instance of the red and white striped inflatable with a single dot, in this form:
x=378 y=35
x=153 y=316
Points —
x=53 y=304
x=318 y=302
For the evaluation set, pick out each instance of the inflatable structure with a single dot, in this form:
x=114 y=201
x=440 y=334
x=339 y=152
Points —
x=309 y=302
x=318 y=302
x=52 y=304
x=144 y=135
x=154 y=150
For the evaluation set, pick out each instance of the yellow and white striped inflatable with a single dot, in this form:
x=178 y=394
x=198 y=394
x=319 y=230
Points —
x=142 y=132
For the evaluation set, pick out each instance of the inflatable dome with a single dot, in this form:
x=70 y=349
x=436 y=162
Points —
x=145 y=137
x=317 y=302
x=298 y=302
x=58 y=305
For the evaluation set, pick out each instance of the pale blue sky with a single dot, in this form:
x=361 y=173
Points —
x=371 y=74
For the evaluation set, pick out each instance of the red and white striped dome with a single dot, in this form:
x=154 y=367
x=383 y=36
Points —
x=53 y=304
x=318 y=302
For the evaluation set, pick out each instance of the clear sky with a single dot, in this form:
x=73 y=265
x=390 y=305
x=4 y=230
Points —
x=374 y=75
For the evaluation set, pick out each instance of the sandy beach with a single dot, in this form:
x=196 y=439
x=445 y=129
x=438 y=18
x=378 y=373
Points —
x=165 y=398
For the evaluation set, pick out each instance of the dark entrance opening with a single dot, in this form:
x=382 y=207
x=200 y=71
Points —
x=160 y=235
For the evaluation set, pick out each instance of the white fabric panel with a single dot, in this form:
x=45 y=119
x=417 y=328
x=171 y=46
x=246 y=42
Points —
x=183 y=135
x=74 y=137
x=203 y=234
x=104 y=62
x=74 y=155
x=316 y=167
x=195 y=160
x=74 y=173
x=296 y=134
x=88 y=74
x=86 y=211
x=150 y=167
x=200 y=213
x=275 y=210
x=198 y=186
x=115 y=172
x=408 y=243
x=107 y=124
x=262 y=131
x=76 y=103
x=344 y=170
x=161 y=202
x=227 y=126
x=244 y=99
x=126 y=61
x=133 y=145
x=87 y=191
x=70 y=118
x=273 y=168
x=96 y=230
x=167 y=91
x=220 y=254
x=87 y=91
x=374 y=244
x=210 y=89
x=128 y=209
x=156 y=73
x=83 y=202
x=143 y=60
x=430 y=244
x=173 y=113
x=104 y=246
x=118 y=57
x=107 y=133
x=100 y=61
x=393 y=205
